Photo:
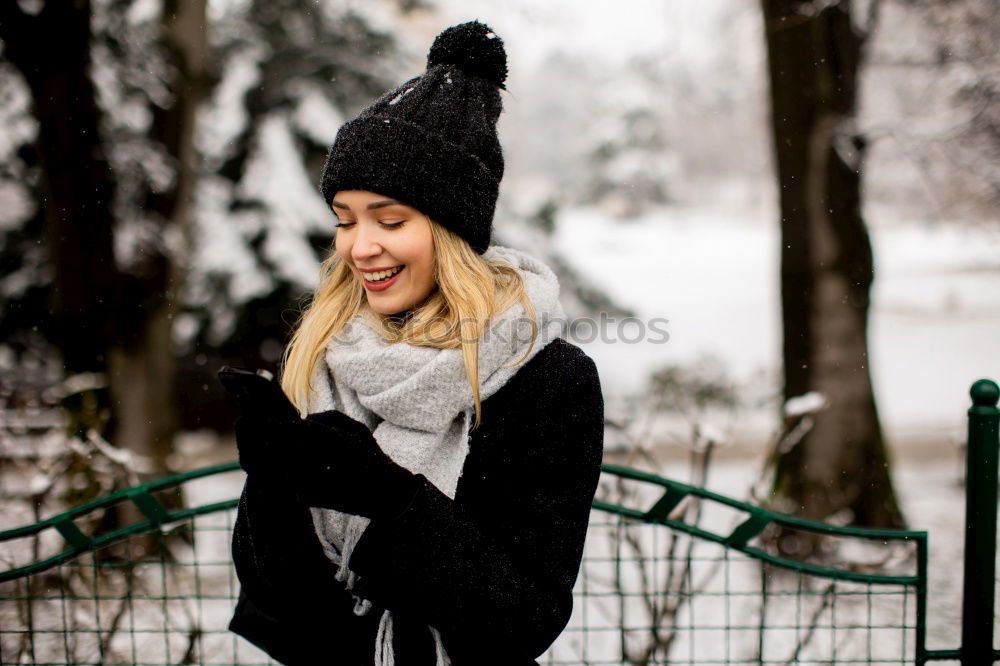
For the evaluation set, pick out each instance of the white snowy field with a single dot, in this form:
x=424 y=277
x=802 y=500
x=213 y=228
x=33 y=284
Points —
x=934 y=327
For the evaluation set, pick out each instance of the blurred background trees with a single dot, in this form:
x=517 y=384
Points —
x=164 y=210
x=114 y=192
x=159 y=210
x=957 y=62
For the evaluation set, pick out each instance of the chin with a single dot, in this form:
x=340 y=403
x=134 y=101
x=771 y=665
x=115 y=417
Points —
x=386 y=308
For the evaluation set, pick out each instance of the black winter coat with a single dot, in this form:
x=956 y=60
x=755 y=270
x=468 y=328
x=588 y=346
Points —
x=492 y=570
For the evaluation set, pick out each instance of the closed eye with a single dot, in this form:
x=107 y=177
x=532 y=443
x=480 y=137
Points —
x=387 y=225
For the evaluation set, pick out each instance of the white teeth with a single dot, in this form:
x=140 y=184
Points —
x=374 y=277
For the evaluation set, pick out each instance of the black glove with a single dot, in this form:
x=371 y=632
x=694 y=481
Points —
x=260 y=397
x=250 y=446
x=331 y=461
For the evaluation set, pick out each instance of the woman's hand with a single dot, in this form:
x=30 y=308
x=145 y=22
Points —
x=331 y=461
x=250 y=445
x=260 y=398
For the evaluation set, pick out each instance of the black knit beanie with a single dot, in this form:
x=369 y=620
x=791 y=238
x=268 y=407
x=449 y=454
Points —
x=432 y=142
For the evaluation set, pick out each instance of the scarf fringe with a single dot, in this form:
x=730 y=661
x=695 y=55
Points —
x=384 y=654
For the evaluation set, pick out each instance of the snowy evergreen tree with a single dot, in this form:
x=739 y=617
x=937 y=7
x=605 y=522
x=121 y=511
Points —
x=290 y=72
x=119 y=215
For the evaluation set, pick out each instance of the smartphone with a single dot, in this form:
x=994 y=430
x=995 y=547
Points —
x=258 y=393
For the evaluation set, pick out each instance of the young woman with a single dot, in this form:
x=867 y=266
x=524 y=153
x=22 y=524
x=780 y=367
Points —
x=431 y=506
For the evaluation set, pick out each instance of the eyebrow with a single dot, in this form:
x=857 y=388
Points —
x=372 y=206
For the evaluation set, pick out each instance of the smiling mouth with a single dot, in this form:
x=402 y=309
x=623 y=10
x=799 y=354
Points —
x=381 y=276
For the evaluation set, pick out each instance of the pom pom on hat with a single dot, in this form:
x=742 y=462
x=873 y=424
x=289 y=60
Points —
x=474 y=48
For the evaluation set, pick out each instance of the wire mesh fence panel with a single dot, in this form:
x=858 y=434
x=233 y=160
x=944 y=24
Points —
x=650 y=595
x=120 y=604
x=675 y=574
x=689 y=577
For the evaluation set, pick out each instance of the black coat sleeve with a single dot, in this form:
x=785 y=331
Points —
x=289 y=604
x=271 y=547
x=495 y=577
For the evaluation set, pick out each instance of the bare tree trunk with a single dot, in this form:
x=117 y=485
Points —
x=77 y=181
x=827 y=268
x=143 y=368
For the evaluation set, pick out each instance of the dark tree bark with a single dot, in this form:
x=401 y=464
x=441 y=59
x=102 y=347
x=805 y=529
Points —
x=814 y=52
x=52 y=51
x=111 y=318
x=143 y=368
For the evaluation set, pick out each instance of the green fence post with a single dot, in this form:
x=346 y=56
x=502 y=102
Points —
x=980 y=524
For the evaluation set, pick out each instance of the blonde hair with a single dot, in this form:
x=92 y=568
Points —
x=470 y=291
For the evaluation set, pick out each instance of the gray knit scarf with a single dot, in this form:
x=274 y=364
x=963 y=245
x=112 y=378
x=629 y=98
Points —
x=418 y=403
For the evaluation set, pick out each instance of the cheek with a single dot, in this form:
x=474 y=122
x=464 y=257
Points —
x=417 y=250
x=427 y=266
x=341 y=246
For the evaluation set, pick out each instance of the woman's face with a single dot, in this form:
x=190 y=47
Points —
x=376 y=233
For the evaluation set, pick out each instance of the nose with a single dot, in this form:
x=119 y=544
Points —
x=366 y=243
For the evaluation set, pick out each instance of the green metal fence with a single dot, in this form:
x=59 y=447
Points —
x=672 y=574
